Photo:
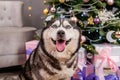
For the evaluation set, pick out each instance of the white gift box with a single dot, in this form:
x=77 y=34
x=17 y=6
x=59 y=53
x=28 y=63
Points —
x=115 y=49
x=114 y=53
x=108 y=57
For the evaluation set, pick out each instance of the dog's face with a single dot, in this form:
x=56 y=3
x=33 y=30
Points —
x=61 y=39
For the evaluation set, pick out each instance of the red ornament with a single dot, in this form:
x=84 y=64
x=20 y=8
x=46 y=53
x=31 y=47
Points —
x=96 y=20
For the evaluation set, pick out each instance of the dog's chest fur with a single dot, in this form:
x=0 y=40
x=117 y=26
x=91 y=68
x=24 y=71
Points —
x=64 y=74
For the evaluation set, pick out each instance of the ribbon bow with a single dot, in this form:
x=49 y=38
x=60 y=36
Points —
x=104 y=56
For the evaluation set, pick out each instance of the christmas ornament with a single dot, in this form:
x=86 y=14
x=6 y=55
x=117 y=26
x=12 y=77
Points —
x=85 y=1
x=96 y=20
x=109 y=36
x=53 y=9
x=89 y=55
x=83 y=39
x=118 y=40
x=45 y=11
x=81 y=23
x=61 y=1
x=74 y=19
x=110 y=2
x=117 y=34
x=90 y=20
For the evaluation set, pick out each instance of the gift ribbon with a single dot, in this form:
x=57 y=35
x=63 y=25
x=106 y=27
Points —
x=104 y=57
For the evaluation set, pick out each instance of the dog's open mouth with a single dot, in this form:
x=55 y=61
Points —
x=61 y=44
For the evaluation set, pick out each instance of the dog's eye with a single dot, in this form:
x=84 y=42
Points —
x=54 y=26
x=67 y=26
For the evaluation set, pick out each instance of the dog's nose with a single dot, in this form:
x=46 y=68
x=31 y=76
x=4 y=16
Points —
x=61 y=33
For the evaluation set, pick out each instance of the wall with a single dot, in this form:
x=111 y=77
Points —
x=33 y=17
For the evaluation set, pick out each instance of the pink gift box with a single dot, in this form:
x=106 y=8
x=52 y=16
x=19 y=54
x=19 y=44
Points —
x=30 y=46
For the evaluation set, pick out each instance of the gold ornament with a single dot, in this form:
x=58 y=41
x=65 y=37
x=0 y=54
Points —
x=45 y=11
x=90 y=20
x=90 y=49
x=117 y=34
x=61 y=1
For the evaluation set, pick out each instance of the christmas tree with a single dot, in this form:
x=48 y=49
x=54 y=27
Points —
x=99 y=20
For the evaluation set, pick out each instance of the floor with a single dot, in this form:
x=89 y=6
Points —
x=10 y=71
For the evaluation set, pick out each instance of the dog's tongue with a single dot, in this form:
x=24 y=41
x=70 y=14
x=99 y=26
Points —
x=60 y=46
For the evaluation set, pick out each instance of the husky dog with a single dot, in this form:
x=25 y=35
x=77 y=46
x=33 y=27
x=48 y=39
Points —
x=55 y=57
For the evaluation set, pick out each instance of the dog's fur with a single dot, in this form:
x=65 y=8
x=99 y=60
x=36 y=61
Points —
x=55 y=57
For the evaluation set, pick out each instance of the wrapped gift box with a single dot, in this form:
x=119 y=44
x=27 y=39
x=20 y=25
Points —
x=108 y=58
x=113 y=51
x=107 y=61
x=30 y=46
x=87 y=73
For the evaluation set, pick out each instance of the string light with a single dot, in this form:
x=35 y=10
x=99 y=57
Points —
x=44 y=1
x=99 y=39
x=29 y=8
x=29 y=15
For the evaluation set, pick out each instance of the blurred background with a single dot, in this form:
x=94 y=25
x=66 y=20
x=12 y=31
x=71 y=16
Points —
x=32 y=13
